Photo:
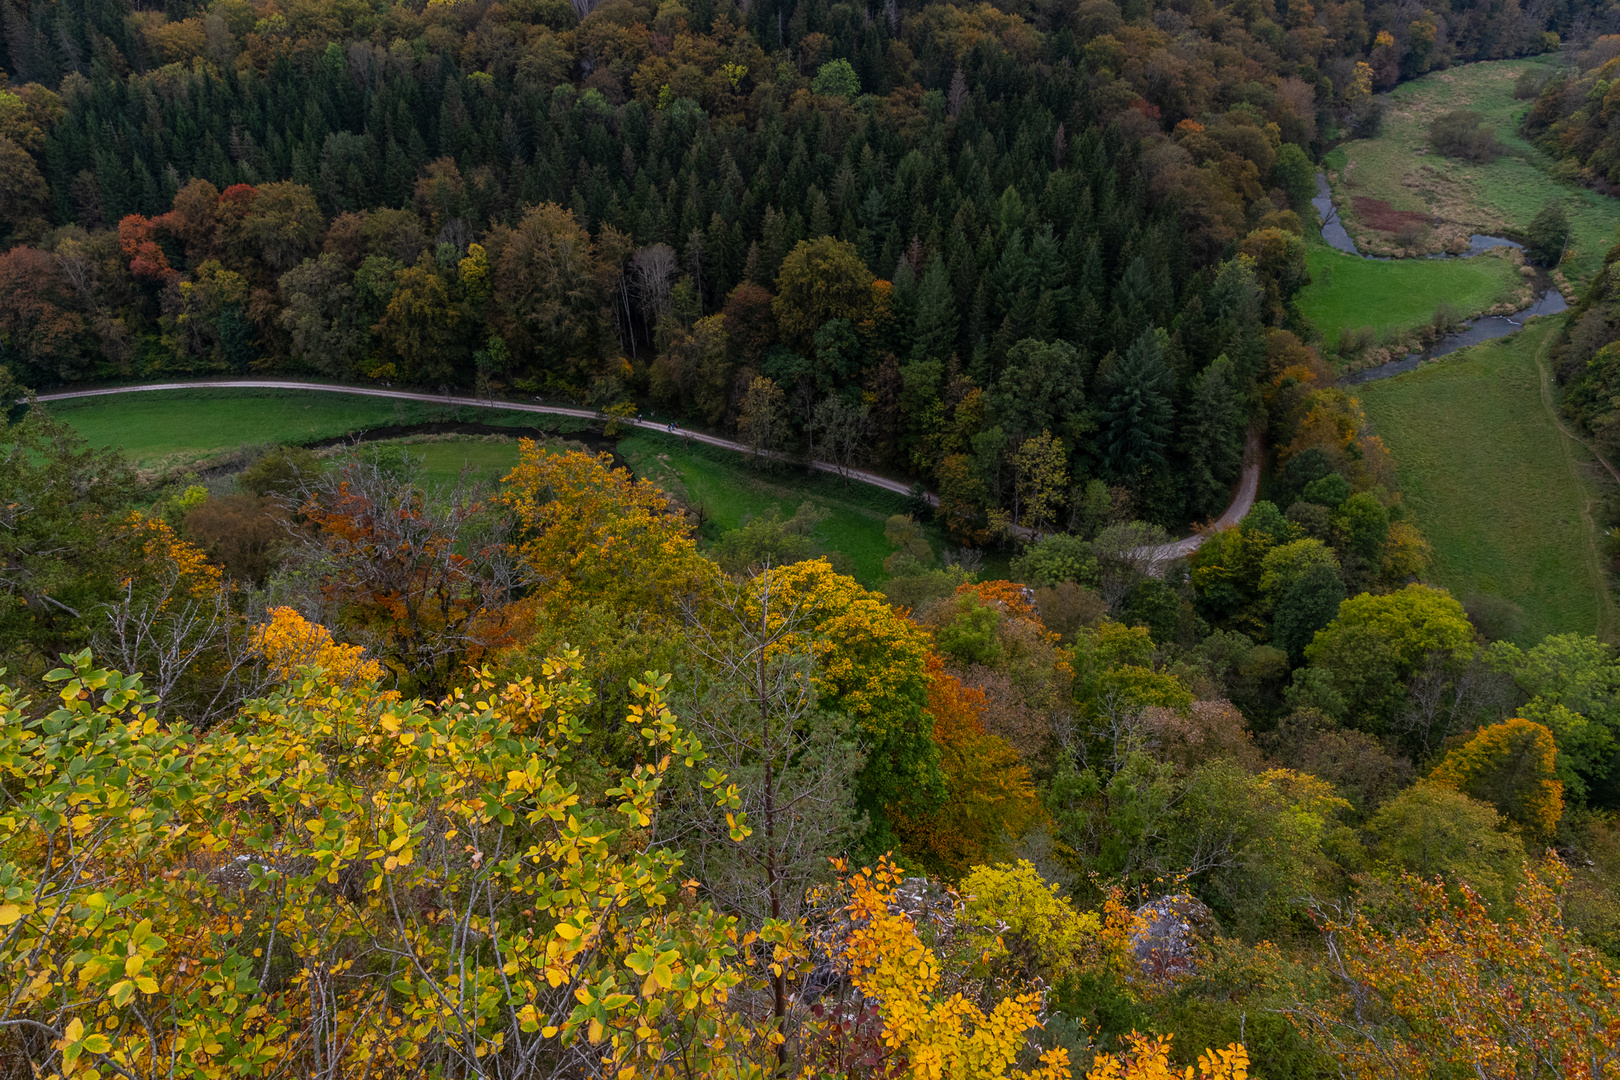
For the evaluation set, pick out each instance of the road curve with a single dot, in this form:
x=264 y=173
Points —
x=1243 y=496
x=1242 y=500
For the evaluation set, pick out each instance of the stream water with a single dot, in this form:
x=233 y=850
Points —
x=1551 y=301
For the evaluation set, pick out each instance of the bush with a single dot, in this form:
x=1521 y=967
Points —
x=240 y=533
x=1461 y=134
x=1529 y=83
x=1496 y=618
x=1054 y=559
x=285 y=471
x=1547 y=236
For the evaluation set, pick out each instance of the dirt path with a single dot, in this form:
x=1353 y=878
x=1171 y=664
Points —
x=1242 y=500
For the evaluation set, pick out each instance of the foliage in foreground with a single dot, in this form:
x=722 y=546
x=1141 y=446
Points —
x=337 y=881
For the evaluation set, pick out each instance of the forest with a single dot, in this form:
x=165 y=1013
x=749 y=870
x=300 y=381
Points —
x=311 y=765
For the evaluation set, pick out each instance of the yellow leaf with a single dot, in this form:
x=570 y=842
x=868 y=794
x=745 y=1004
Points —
x=9 y=913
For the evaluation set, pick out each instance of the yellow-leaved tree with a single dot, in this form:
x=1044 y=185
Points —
x=1149 y=1059
x=592 y=533
x=338 y=883
x=290 y=642
x=1513 y=766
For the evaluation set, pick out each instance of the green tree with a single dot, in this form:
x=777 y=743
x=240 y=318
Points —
x=1296 y=175
x=837 y=78
x=1361 y=525
x=1041 y=388
x=1137 y=391
x=1433 y=830
x=1303 y=606
x=937 y=321
x=1212 y=438
x=1056 y=558
x=1376 y=643
x=770 y=540
x=60 y=557
x=322 y=316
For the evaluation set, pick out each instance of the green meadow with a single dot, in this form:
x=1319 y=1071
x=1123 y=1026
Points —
x=1495 y=198
x=1503 y=496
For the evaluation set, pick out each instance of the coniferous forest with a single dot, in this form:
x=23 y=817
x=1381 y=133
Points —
x=312 y=767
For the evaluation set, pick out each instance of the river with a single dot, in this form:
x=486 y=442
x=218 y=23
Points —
x=1551 y=301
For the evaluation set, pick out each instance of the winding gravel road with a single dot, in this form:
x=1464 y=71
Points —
x=1242 y=499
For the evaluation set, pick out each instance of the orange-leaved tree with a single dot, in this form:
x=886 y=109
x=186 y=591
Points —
x=1464 y=994
x=989 y=799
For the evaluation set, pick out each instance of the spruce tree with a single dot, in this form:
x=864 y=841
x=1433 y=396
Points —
x=1138 y=412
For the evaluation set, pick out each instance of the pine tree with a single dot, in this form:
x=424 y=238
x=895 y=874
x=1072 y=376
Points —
x=937 y=319
x=1212 y=438
x=1137 y=411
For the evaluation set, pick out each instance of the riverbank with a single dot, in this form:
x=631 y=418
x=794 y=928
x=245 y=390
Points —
x=1425 y=307
x=1430 y=203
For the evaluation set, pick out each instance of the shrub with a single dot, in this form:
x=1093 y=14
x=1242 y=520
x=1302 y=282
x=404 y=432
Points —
x=1461 y=133
x=1547 y=236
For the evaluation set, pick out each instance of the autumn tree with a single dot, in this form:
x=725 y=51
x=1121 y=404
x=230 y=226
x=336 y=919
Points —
x=990 y=799
x=592 y=534
x=251 y=918
x=44 y=336
x=871 y=664
x=551 y=294
x=323 y=317
x=1041 y=479
x=820 y=280
x=424 y=578
x=1459 y=989
x=760 y=419
x=1512 y=766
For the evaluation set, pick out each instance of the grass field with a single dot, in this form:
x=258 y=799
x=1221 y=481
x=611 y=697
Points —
x=164 y=429
x=727 y=490
x=1485 y=473
x=484 y=458
x=1496 y=198
x=1348 y=292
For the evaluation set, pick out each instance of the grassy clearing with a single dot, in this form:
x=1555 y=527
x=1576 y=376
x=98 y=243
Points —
x=164 y=429
x=1348 y=292
x=727 y=491
x=1500 y=493
x=485 y=458
x=1497 y=198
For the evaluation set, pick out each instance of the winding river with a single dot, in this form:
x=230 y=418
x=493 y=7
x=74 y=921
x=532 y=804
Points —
x=1551 y=302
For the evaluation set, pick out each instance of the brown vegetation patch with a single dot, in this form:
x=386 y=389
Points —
x=1378 y=214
